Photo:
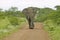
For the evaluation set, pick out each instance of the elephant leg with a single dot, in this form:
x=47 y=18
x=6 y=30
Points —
x=31 y=24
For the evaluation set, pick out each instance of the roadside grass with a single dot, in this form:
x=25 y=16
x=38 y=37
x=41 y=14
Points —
x=6 y=28
x=53 y=29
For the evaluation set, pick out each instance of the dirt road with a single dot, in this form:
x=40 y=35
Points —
x=25 y=33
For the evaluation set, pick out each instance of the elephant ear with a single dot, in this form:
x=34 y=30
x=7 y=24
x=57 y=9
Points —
x=36 y=11
x=24 y=10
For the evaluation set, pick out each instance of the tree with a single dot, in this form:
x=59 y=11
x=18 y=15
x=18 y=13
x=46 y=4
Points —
x=14 y=9
x=11 y=11
x=43 y=13
x=57 y=8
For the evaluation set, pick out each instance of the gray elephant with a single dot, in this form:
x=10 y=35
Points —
x=30 y=13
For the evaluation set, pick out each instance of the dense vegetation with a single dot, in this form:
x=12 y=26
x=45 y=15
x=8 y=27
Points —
x=10 y=21
x=51 y=21
x=12 y=18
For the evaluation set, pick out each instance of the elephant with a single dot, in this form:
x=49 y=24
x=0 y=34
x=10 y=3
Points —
x=30 y=13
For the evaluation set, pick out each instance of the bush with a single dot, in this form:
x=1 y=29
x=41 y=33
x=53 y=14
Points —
x=53 y=29
x=13 y=20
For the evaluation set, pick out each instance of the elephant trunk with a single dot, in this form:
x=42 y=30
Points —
x=31 y=23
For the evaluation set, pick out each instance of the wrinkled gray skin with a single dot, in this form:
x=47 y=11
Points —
x=30 y=13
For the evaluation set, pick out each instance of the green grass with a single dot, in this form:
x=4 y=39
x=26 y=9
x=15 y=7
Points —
x=6 y=28
x=53 y=29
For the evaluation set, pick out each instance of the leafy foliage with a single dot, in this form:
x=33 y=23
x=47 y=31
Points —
x=51 y=20
x=10 y=20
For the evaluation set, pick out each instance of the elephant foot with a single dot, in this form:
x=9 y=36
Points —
x=31 y=27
